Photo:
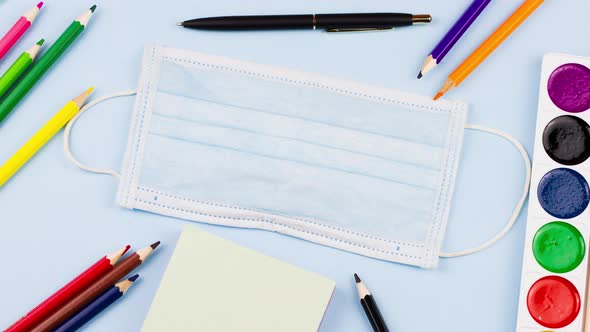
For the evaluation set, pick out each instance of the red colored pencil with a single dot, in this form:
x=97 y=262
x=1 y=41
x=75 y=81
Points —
x=73 y=288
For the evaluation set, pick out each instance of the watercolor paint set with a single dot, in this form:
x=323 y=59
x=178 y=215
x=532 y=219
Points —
x=555 y=264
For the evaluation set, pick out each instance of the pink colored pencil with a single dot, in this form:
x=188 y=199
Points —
x=19 y=28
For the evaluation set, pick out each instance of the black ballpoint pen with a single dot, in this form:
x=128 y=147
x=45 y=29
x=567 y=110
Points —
x=328 y=22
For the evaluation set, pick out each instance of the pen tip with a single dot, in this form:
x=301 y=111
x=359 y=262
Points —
x=40 y=42
x=356 y=278
x=420 y=75
x=93 y=8
x=438 y=95
x=40 y=4
x=179 y=24
x=155 y=245
x=133 y=278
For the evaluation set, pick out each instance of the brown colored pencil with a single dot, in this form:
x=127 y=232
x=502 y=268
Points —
x=96 y=289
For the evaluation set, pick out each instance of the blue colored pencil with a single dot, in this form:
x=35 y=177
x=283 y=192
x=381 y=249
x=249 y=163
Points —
x=97 y=306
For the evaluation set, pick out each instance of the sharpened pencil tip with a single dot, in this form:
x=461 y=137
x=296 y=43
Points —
x=40 y=4
x=127 y=247
x=179 y=24
x=93 y=8
x=438 y=95
x=40 y=42
x=89 y=91
x=420 y=75
x=356 y=278
x=155 y=245
x=133 y=278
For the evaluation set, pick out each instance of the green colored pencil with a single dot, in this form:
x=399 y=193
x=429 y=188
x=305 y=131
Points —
x=43 y=65
x=18 y=68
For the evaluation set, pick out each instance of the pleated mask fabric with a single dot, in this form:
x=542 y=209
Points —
x=363 y=169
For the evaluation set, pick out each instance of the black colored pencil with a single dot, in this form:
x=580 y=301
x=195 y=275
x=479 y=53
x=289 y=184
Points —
x=370 y=307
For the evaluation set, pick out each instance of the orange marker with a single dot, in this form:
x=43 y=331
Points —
x=488 y=46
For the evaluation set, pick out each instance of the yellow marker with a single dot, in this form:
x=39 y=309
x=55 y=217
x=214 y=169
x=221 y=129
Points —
x=36 y=142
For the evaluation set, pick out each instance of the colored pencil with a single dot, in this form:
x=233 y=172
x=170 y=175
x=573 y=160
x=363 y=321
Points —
x=67 y=292
x=18 y=29
x=50 y=129
x=453 y=35
x=19 y=67
x=370 y=306
x=93 y=291
x=488 y=46
x=97 y=306
x=45 y=62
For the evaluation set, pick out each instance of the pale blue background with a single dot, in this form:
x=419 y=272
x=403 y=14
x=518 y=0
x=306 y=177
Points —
x=56 y=219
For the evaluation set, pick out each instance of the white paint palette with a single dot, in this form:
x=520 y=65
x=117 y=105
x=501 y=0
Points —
x=555 y=264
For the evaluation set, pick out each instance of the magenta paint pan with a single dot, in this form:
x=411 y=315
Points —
x=569 y=87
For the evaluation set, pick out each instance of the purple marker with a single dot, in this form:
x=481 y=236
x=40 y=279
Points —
x=454 y=34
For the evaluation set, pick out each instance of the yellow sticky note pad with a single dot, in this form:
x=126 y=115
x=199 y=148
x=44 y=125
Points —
x=212 y=284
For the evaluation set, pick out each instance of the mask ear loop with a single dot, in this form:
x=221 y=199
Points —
x=519 y=205
x=70 y=124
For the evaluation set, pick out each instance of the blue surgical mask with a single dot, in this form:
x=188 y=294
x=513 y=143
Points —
x=363 y=169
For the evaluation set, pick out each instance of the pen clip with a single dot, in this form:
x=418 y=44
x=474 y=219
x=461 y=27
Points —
x=358 y=29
